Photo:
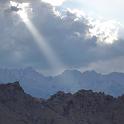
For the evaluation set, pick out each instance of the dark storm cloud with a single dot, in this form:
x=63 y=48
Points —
x=65 y=32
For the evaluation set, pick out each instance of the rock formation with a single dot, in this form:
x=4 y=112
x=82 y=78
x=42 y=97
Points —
x=82 y=107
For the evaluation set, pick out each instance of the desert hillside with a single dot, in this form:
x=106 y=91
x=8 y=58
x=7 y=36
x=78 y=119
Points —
x=82 y=107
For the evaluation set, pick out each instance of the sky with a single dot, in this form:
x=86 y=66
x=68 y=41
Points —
x=52 y=36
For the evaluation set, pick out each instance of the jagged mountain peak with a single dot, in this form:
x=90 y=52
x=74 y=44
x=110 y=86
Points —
x=73 y=72
x=59 y=96
x=11 y=87
x=91 y=72
x=38 y=85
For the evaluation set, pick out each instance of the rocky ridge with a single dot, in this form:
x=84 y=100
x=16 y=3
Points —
x=82 y=107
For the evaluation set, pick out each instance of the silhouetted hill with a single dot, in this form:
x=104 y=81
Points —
x=82 y=107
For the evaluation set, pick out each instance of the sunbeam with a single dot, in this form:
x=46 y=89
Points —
x=56 y=65
x=23 y=15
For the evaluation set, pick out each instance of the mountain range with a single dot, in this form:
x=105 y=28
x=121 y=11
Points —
x=82 y=107
x=42 y=86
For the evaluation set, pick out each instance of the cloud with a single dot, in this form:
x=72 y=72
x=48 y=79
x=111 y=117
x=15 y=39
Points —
x=55 y=2
x=66 y=33
x=111 y=65
x=105 y=31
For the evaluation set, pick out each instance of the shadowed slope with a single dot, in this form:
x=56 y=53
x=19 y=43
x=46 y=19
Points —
x=83 y=107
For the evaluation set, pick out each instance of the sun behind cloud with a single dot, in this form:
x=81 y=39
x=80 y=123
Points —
x=20 y=9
